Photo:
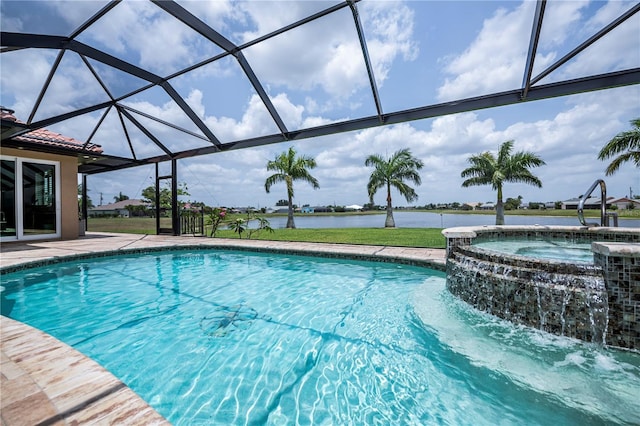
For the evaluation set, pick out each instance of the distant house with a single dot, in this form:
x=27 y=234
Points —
x=468 y=206
x=590 y=204
x=278 y=209
x=322 y=209
x=305 y=209
x=116 y=209
x=353 y=208
x=471 y=206
x=624 y=203
x=488 y=206
x=191 y=207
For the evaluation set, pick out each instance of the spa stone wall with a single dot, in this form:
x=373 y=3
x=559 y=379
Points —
x=597 y=302
x=563 y=299
x=621 y=268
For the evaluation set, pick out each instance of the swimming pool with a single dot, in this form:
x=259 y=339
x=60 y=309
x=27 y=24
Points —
x=224 y=337
x=565 y=251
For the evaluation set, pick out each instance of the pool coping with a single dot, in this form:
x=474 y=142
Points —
x=50 y=383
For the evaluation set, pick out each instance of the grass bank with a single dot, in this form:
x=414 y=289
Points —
x=400 y=237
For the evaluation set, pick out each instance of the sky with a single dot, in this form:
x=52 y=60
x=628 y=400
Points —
x=422 y=53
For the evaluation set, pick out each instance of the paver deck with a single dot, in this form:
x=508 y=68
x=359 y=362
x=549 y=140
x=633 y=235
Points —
x=46 y=382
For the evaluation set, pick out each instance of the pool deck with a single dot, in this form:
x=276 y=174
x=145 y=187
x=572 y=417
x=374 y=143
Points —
x=46 y=382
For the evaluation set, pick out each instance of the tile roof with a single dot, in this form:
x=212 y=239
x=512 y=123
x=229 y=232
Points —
x=48 y=138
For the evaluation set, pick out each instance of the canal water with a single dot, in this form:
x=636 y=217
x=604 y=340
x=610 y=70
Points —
x=406 y=219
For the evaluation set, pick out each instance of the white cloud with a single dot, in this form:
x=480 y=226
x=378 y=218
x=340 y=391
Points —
x=256 y=121
x=10 y=23
x=73 y=12
x=23 y=75
x=561 y=19
x=214 y=13
x=606 y=14
x=388 y=30
x=72 y=87
x=495 y=59
x=616 y=50
x=567 y=24
x=309 y=59
x=312 y=57
x=141 y=33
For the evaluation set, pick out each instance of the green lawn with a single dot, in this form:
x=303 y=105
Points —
x=401 y=237
x=127 y=225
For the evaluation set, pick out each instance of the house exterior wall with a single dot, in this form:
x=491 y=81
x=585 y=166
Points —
x=68 y=187
x=625 y=204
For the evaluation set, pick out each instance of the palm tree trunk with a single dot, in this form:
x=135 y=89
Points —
x=290 y=223
x=499 y=208
x=389 y=222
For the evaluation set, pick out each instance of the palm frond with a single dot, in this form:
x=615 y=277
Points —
x=623 y=158
x=272 y=180
x=626 y=145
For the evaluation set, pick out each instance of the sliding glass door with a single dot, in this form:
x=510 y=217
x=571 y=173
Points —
x=30 y=199
x=8 y=225
x=38 y=199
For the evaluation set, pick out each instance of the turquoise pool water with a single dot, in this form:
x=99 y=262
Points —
x=223 y=337
x=542 y=249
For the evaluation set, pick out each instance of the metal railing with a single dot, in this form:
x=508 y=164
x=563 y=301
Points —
x=604 y=216
x=192 y=222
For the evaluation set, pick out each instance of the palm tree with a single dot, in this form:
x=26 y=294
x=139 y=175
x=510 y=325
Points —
x=488 y=170
x=624 y=141
x=290 y=168
x=401 y=166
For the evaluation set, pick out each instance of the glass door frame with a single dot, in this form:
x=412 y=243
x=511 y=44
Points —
x=19 y=200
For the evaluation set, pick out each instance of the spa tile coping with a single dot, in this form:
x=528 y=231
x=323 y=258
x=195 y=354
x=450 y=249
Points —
x=613 y=249
x=43 y=381
x=608 y=248
x=473 y=231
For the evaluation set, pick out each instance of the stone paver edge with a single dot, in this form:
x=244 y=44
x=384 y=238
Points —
x=337 y=254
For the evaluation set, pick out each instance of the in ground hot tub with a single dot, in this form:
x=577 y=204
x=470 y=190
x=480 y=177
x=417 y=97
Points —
x=573 y=281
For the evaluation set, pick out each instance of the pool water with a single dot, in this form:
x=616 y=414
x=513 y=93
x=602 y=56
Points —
x=542 y=249
x=223 y=337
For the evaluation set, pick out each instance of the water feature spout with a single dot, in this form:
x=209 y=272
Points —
x=598 y=305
